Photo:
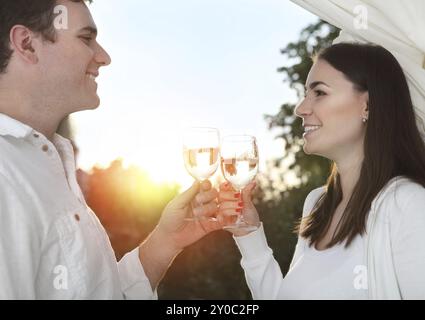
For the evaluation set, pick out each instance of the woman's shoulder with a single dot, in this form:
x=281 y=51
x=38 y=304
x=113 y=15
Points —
x=402 y=193
x=403 y=188
x=402 y=208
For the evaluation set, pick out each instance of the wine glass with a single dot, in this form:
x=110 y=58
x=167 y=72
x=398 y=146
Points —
x=239 y=164
x=201 y=155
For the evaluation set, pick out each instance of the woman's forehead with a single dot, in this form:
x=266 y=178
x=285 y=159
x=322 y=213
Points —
x=322 y=71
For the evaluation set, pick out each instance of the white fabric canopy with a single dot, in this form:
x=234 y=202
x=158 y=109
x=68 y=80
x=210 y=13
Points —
x=397 y=25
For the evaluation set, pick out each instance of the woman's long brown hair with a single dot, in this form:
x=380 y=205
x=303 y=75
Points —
x=393 y=145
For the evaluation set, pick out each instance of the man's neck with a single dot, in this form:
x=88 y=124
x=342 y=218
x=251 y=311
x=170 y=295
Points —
x=32 y=117
x=30 y=108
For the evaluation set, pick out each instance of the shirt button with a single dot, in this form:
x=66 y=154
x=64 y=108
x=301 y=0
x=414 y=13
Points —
x=77 y=217
x=45 y=148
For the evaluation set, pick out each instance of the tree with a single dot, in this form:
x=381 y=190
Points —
x=280 y=214
x=210 y=269
x=129 y=204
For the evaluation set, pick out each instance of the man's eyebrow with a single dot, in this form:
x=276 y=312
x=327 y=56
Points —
x=90 y=29
x=316 y=83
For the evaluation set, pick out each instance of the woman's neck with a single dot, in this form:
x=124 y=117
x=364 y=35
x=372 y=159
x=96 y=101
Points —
x=349 y=172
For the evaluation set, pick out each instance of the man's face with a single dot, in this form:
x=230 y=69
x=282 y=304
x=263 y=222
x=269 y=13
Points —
x=70 y=65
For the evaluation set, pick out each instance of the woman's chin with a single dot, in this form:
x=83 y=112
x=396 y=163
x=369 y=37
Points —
x=307 y=149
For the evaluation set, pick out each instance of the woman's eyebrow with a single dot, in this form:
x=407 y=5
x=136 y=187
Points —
x=316 y=83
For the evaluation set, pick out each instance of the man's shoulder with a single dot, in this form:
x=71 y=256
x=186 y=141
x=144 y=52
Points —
x=16 y=170
x=20 y=204
x=12 y=155
x=9 y=144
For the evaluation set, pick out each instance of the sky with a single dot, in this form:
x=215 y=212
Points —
x=186 y=63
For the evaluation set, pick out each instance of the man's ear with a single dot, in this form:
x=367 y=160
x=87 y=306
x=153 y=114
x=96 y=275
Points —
x=22 y=42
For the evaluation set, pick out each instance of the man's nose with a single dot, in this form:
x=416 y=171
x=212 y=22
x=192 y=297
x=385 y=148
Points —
x=102 y=57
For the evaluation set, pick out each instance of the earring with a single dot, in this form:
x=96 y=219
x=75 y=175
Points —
x=364 y=120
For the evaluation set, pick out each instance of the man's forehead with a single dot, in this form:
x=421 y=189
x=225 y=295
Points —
x=77 y=14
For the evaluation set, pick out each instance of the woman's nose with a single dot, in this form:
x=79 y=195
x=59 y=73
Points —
x=303 y=109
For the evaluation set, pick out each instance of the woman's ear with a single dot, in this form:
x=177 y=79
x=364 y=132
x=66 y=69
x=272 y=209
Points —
x=365 y=105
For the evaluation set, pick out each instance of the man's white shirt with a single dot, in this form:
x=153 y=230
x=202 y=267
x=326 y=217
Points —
x=52 y=245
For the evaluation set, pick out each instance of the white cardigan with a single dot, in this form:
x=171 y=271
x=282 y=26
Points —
x=395 y=226
x=382 y=275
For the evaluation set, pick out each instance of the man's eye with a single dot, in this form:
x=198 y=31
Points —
x=86 y=38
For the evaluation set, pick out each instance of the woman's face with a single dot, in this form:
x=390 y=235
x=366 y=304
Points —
x=332 y=113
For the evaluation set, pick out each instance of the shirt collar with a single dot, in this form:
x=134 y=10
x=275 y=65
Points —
x=19 y=130
x=13 y=127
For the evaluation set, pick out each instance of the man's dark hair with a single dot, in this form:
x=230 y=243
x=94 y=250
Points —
x=37 y=15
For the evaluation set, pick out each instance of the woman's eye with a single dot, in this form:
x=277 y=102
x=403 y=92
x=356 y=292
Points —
x=319 y=93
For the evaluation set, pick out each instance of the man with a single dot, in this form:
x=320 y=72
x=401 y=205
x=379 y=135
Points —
x=52 y=246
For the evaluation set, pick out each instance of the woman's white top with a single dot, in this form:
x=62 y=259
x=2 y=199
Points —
x=335 y=273
x=388 y=262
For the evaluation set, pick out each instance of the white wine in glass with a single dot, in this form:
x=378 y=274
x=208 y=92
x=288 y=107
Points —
x=201 y=154
x=239 y=164
x=201 y=163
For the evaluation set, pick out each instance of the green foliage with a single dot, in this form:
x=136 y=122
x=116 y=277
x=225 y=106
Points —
x=127 y=202
x=281 y=215
x=210 y=269
x=309 y=169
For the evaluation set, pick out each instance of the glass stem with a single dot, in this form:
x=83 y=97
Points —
x=198 y=203
x=240 y=219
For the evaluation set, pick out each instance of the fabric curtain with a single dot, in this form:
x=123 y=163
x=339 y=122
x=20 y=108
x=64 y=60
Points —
x=398 y=26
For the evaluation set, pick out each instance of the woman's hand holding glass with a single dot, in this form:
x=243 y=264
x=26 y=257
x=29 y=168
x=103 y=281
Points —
x=232 y=204
x=238 y=156
x=239 y=165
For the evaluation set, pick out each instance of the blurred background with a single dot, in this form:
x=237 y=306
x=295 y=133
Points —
x=236 y=65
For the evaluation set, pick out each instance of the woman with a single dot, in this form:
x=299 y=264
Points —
x=362 y=235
